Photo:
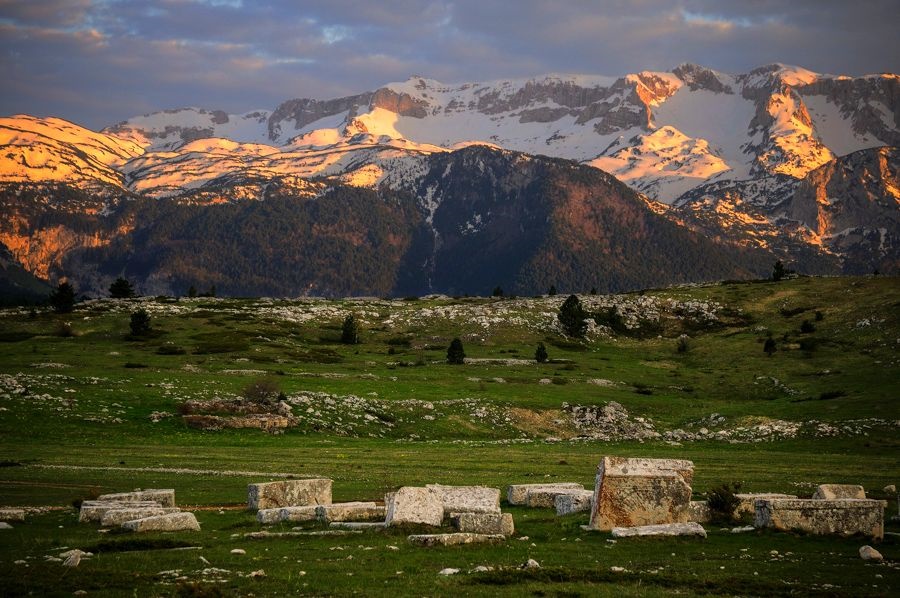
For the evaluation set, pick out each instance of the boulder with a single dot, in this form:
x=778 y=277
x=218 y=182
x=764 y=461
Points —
x=289 y=493
x=5 y=525
x=484 y=523
x=93 y=510
x=666 y=529
x=350 y=511
x=12 y=514
x=429 y=540
x=867 y=553
x=116 y=517
x=467 y=499
x=165 y=497
x=517 y=494
x=699 y=511
x=415 y=505
x=816 y=516
x=578 y=501
x=839 y=492
x=545 y=498
x=636 y=492
x=747 y=504
x=173 y=522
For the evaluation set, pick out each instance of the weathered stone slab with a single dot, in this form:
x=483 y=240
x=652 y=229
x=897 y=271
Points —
x=667 y=529
x=429 y=540
x=637 y=492
x=173 y=522
x=578 y=501
x=116 y=517
x=289 y=493
x=468 y=499
x=484 y=523
x=269 y=516
x=164 y=496
x=699 y=511
x=839 y=492
x=545 y=498
x=415 y=505
x=747 y=504
x=517 y=494
x=93 y=510
x=357 y=525
x=12 y=514
x=350 y=511
x=822 y=517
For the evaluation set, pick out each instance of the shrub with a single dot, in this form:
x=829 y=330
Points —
x=455 y=353
x=807 y=327
x=778 y=271
x=65 y=330
x=350 y=331
x=63 y=298
x=769 y=347
x=573 y=317
x=552 y=290
x=819 y=316
x=722 y=500
x=498 y=291
x=140 y=322
x=540 y=354
x=261 y=390
x=684 y=344
x=121 y=289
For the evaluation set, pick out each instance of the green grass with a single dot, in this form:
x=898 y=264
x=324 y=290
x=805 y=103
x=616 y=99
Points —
x=85 y=429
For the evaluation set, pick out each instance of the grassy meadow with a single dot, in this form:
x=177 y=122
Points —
x=87 y=408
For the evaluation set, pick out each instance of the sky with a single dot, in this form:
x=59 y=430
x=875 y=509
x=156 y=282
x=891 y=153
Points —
x=98 y=62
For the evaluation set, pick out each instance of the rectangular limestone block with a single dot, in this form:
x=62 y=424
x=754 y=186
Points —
x=699 y=511
x=358 y=525
x=667 y=529
x=545 y=498
x=164 y=496
x=839 y=492
x=117 y=517
x=93 y=510
x=350 y=511
x=823 y=517
x=517 y=494
x=173 y=522
x=429 y=540
x=747 y=504
x=289 y=493
x=637 y=492
x=12 y=514
x=578 y=501
x=468 y=499
x=484 y=523
x=415 y=505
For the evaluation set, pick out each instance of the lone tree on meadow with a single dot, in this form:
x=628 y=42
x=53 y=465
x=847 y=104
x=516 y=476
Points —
x=769 y=346
x=778 y=271
x=350 y=331
x=540 y=354
x=140 y=322
x=121 y=289
x=62 y=299
x=573 y=317
x=455 y=353
x=552 y=290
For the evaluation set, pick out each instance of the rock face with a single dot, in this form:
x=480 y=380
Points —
x=289 y=493
x=839 y=492
x=12 y=514
x=517 y=494
x=429 y=540
x=116 y=517
x=574 y=502
x=414 y=505
x=350 y=511
x=173 y=522
x=484 y=523
x=165 y=497
x=747 y=504
x=667 y=529
x=633 y=492
x=821 y=517
x=93 y=510
x=467 y=499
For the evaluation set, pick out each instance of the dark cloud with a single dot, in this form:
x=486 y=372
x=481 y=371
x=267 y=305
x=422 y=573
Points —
x=100 y=61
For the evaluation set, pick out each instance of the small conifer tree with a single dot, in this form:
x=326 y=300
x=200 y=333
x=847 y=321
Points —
x=552 y=290
x=573 y=317
x=350 y=331
x=121 y=289
x=778 y=271
x=769 y=346
x=540 y=354
x=63 y=298
x=455 y=353
x=140 y=322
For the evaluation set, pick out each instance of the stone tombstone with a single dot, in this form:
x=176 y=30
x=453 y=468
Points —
x=164 y=496
x=823 y=517
x=116 y=517
x=289 y=493
x=637 y=491
x=667 y=529
x=350 y=511
x=747 y=502
x=517 y=494
x=412 y=504
x=484 y=523
x=578 y=501
x=93 y=510
x=467 y=499
x=430 y=540
x=173 y=522
x=839 y=492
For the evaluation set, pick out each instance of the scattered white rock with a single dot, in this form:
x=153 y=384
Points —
x=448 y=571
x=867 y=553
x=665 y=529
x=531 y=564
x=238 y=551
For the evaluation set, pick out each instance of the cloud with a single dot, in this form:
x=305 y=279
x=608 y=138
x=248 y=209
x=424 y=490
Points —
x=100 y=61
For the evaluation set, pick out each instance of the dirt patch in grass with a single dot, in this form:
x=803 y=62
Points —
x=536 y=423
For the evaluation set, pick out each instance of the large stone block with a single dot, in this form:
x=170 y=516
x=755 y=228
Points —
x=289 y=493
x=545 y=498
x=747 y=504
x=468 y=499
x=164 y=496
x=517 y=494
x=350 y=511
x=699 y=511
x=116 y=517
x=93 y=510
x=12 y=514
x=839 y=492
x=578 y=501
x=668 y=529
x=822 y=517
x=636 y=492
x=484 y=523
x=173 y=522
x=429 y=540
x=415 y=505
